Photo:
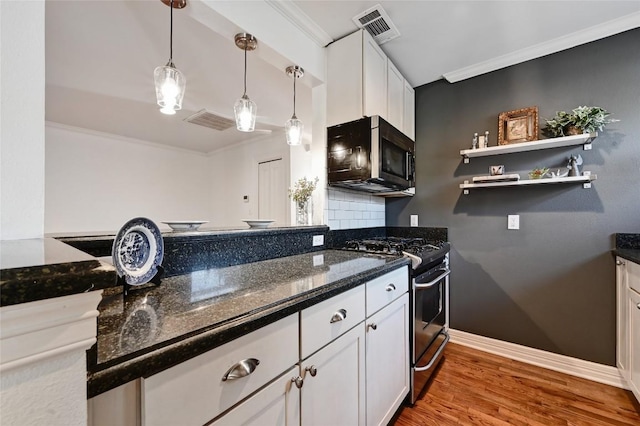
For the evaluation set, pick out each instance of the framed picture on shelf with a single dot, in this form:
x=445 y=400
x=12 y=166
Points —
x=520 y=125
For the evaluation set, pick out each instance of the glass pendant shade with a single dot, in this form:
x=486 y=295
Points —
x=245 y=111
x=170 y=86
x=293 y=129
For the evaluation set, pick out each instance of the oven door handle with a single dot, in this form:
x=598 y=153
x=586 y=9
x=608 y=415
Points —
x=446 y=272
x=435 y=356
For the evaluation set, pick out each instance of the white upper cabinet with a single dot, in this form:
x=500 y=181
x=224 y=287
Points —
x=362 y=81
x=395 y=96
x=409 y=119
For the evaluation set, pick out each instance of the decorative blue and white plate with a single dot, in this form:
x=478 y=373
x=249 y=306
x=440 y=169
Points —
x=138 y=250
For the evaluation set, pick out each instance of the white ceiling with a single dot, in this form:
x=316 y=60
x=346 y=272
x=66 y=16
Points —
x=100 y=55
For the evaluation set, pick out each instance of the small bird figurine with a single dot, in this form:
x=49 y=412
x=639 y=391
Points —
x=573 y=165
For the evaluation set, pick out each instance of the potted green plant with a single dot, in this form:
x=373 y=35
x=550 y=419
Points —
x=583 y=119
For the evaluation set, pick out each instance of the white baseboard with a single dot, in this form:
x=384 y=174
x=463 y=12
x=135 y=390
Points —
x=564 y=364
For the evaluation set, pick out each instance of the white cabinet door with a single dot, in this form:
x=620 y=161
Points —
x=336 y=394
x=278 y=404
x=374 y=78
x=395 y=96
x=634 y=342
x=409 y=118
x=344 y=80
x=622 y=320
x=387 y=361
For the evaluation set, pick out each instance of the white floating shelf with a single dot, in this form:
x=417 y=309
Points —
x=585 y=180
x=584 y=139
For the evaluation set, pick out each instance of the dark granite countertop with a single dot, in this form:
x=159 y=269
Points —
x=628 y=247
x=43 y=268
x=154 y=328
x=629 y=254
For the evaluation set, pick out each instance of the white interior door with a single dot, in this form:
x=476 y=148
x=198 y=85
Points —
x=272 y=191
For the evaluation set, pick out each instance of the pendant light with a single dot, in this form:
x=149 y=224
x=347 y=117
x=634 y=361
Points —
x=293 y=127
x=245 y=109
x=170 y=82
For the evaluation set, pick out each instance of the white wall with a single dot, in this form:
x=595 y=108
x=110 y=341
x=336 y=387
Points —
x=97 y=182
x=234 y=174
x=347 y=209
x=21 y=119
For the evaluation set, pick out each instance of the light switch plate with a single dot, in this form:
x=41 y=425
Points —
x=414 y=220
x=513 y=221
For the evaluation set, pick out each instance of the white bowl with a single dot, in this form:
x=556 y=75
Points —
x=185 y=225
x=258 y=223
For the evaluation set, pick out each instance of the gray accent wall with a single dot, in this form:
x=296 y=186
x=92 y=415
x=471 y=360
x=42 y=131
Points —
x=551 y=284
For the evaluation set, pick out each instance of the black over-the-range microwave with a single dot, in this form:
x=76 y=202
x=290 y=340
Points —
x=370 y=155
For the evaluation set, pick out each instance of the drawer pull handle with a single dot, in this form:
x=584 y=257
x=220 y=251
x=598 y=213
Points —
x=619 y=262
x=637 y=306
x=372 y=326
x=241 y=369
x=298 y=381
x=339 y=315
x=390 y=287
x=312 y=370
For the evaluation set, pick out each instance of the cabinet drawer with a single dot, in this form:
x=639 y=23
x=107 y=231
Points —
x=324 y=322
x=633 y=275
x=194 y=392
x=385 y=289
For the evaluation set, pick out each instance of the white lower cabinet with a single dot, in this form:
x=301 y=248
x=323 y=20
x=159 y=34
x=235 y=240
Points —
x=634 y=343
x=333 y=392
x=387 y=361
x=277 y=405
x=199 y=389
x=628 y=323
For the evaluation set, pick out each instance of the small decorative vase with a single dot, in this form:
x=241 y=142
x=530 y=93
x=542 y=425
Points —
x=573 y=130
x=304 y=213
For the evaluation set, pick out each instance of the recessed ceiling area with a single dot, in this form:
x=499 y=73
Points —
x=100 y=57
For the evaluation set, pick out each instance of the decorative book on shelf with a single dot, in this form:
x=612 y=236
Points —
x=496 y=178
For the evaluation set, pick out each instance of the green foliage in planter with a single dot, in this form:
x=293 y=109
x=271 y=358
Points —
x=588 y=119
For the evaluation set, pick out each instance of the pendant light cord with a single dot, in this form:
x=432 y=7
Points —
x=294 y=94
x=245 y=68
x=171 y=36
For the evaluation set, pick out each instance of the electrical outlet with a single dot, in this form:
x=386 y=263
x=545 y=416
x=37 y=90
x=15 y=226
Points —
x=318 y=240
x=513 y=221
x=414 y=220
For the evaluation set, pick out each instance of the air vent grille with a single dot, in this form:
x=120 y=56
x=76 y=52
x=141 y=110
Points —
x=377 y=23
x=210 y=120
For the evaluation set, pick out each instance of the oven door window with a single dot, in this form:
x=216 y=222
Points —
x=429 y=315
x=393 y=159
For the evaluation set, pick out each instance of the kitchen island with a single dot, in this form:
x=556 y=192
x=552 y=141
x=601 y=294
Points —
x=156 y=327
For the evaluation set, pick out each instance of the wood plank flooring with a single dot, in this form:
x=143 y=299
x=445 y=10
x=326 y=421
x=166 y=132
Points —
x=472 y=387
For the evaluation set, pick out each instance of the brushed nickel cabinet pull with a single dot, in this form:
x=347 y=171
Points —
x=241 y=369
x=619 y=262
x=312 y=370
x=298 y=381
x=339 y=315
x=372 y=326
x=390 y=287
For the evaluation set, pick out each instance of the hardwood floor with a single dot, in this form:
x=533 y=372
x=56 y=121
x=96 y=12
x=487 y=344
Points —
x=473 y=387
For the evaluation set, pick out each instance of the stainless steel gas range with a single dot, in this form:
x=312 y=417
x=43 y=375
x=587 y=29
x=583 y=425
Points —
x=428 y=298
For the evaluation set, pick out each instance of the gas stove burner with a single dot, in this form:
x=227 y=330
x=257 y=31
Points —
x=419 y=250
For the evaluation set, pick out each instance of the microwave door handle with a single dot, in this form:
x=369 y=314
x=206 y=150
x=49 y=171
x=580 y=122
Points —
x=410 y=166
x=358 y=157
x=445 y=273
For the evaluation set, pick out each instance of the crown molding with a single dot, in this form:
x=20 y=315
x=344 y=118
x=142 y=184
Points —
x=577 y=38
x=564 y=364
x=301 y=20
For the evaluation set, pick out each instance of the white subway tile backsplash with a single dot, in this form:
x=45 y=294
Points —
x=348 y=210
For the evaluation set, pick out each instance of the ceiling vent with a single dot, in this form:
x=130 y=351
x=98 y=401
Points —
x=376 y=21
x=210 y=120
